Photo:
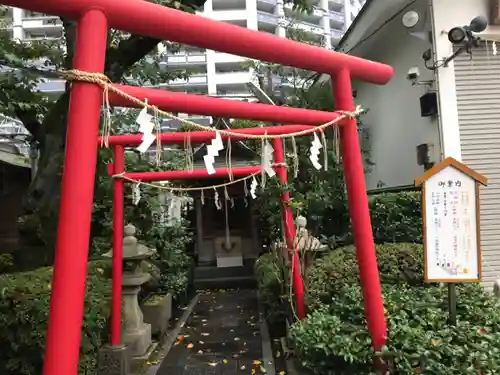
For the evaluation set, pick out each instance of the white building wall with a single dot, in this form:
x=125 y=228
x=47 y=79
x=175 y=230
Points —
x=395 y=126
x=447 y=14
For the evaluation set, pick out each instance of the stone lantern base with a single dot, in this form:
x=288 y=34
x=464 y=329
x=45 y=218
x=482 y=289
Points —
x=114 y=360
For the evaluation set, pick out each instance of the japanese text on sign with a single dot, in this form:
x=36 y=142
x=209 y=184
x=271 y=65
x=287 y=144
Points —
x=450 y=233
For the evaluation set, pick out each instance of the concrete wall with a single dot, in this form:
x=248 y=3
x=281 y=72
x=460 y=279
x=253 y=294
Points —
x=395 y=127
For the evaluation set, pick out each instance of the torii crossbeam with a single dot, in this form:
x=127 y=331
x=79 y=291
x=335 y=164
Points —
x=94 y=18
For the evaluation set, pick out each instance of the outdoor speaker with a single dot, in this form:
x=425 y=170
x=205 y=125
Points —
x=428 y=104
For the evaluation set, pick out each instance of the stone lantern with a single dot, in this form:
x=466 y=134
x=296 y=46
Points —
x=136 y=333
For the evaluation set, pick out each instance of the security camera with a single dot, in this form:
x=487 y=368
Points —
x=413 y=74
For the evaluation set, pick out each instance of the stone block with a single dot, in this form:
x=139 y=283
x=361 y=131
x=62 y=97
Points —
x=138 y=340
x=157 y=311
x=114 y=360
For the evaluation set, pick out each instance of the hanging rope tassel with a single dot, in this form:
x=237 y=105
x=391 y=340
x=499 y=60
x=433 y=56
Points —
x=336 y=143
x=325 y=150
x=106 y=123
x=228 y=160
x=188 y=149
x=263 y=176
x=226 y=213
x=159 y=150
x=295 y=158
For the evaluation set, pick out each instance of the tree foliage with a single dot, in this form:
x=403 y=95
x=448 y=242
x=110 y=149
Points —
x=130 y=59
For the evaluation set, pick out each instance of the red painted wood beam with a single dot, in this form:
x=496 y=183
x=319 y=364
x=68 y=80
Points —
x=145 y=18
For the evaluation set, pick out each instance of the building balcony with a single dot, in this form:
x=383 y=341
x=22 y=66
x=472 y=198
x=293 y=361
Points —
x=336 y=16
x=314 y=16
x=42 y=23
x=309 y=27
x=336 y=35
x=56 y=86
x=233 y=78
x=194 y=80
x=34 y=38
x=229 y=15
x=185 y=60
x=270 y=2
x=226 y=58
x=218 y=5
x=336 y=5
x=267 y=18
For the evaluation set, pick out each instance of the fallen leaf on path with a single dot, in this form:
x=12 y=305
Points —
x=203 y=320
x=236 y=339
x=200 y=352
x=177 y=342
x=213 y=364
x=201 y=342
x=278 y=354
x=243 y=368
x=253 y=371
x=281 y=373
x=256 y=362
x=190 y=346
x=262 y=369
x=205 y=334
x=224 y=361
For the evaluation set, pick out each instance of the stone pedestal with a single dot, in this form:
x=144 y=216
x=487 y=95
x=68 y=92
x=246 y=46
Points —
x=228 y=254
x=136 y=333
x=113 y=360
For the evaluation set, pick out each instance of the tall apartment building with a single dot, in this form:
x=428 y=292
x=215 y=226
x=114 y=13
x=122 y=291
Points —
x=218 y=74
x=225 y=75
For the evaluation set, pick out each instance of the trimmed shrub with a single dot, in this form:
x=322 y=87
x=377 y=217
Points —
x=24 y=309
x=335 y=340
x=398 y=264
x=171 y=259
x=269 y=274
x=396 y=217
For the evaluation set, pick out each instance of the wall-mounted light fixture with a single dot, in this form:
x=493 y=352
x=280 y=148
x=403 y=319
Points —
x=464 y=37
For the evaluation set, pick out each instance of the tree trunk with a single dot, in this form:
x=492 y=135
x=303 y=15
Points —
x=38 y=226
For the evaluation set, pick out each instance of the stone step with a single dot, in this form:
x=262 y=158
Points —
x=242 y=282
x=209 y=272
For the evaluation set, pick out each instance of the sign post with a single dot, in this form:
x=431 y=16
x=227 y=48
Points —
x=451 y=226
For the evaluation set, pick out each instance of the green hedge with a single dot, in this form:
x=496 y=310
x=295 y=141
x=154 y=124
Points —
x=24 y=308
x=396 y=217
x=398 y=263
x=334 y=339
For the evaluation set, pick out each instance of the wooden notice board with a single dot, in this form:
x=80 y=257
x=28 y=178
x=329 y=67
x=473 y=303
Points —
x=451 y=222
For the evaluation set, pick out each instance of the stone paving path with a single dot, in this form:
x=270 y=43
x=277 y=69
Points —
x=222 y=337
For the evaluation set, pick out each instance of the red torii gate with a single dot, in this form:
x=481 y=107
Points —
x=141 y=17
